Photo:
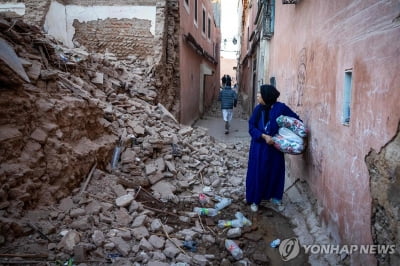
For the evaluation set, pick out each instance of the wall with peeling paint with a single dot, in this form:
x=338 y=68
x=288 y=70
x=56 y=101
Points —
x=60 y=18
x=198 y=60
x=314 y=44
x=17 y=8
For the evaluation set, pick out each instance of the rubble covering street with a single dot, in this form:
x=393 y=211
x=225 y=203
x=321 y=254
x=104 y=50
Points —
x=93 y=171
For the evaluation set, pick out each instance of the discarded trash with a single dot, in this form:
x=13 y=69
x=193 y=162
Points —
x=69 y=262
x=190 y=245
x=113 y=255
x=63 y=57
x=206 y=211
x=206 y=189
x=233 y=223
x=234 y=232
x=240 y=221
x=234 y=249
x=223 y=202
x=275 y=243
x=244 y=220
x=133 y=140
x=115 y=157
x=203 y=199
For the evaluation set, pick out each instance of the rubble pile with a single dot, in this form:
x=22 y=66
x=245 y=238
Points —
x=94 y=170
x=62 y=110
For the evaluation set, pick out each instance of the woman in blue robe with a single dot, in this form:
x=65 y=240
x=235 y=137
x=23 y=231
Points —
x=265 y=178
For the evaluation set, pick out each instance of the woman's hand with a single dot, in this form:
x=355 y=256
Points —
x=268 y=139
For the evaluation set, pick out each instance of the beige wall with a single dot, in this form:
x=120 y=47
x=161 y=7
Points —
x=227 y=66
x=314 y=43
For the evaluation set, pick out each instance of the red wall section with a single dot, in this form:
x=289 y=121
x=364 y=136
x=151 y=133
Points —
x=314 y=43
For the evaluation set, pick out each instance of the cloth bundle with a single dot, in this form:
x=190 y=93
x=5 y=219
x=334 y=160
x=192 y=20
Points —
x=293 y=124
x=290 y=135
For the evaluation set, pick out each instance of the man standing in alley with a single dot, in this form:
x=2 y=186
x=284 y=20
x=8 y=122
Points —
x=228 y=99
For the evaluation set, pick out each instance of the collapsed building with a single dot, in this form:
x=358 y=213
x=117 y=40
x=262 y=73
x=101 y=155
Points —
x=70 y=118
x=96 y=168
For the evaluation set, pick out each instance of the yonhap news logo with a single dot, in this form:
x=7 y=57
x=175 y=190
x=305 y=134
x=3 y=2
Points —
x=290 y=249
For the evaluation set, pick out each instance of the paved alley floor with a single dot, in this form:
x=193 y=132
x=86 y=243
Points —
x=216 y=129
x=299 y=219
x=213 y=122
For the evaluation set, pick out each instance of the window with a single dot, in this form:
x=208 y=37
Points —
x=186 y=4
x=204 y=21
x=209 y=28
x=195 y=12
x=348 y=80
x=216 y=50
x=269 y=21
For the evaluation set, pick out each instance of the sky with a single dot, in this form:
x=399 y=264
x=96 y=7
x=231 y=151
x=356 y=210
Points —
x=229 y=28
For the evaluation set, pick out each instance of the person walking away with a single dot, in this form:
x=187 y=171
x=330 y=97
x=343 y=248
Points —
x=223 y=82
x=265 y=177
x=228 y=98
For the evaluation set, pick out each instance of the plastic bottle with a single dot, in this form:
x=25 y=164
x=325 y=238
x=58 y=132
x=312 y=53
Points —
x=275 y=243
x=206 y=211
x=203 y=199
x=232 y=223
x=244 y=220
x=234 y=249
x=115 y=158
x=223 y=202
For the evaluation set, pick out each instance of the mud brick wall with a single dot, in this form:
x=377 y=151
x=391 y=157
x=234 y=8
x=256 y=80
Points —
x=35 y=11
x=122 y=37
x=167 y=71
x=384 y=170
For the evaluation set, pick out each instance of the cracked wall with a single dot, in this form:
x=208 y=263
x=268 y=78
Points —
x=145 y=30
x=384 y=171
x=167 y=71
x=122 y=37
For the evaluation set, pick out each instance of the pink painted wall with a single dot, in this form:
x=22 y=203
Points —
x=190 y=61
x=314 y=43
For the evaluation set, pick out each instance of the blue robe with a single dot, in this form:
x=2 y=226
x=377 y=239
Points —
x=266 y=166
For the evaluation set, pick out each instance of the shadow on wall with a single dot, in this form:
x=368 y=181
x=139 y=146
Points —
x=384 y=171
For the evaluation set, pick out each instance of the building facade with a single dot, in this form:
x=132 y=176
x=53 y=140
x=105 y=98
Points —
x=336 y=63
x=178 y=39
x=198 y=57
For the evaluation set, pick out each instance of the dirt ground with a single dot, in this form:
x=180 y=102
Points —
x=255 y=240
x=39 y=214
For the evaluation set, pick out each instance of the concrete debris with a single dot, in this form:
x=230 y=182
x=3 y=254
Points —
x=9 y=58
x=79 y=107
x=137 y=210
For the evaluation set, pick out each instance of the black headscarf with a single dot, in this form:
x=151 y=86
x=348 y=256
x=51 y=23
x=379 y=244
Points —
x=269 y=94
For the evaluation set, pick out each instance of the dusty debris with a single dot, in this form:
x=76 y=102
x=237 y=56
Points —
x=58 y=136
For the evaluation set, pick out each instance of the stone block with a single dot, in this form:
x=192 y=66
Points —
x=124 y=201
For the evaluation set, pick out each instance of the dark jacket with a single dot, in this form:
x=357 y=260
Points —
x=228 y=98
